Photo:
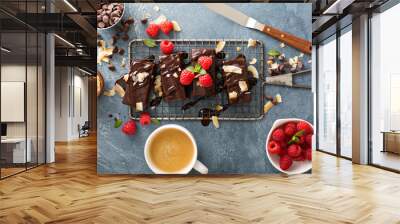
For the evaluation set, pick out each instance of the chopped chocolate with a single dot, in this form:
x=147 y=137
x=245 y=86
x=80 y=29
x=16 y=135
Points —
x=236 y=80
x=170 y=70
x=197 y=89
x=138 y=83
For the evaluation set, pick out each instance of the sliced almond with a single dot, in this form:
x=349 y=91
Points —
x=176 y=26
x=233 y=95
x=139 y=106
x=218 y=107
x=119 y=90
x=282 y=45
x=268 y=106
x=253 y=61
x=146 y=15
x=238 y=49
x=243 y=86
x=253 y=71
x=232 y=69
x=220 y=46
x=156 y=8
x=110 y=92
x=215 y=121
x=123 y=62
x=251 y=43
x=278 y=98
x=103 y=54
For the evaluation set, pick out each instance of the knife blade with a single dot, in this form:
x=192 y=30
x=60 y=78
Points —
x=247 y=21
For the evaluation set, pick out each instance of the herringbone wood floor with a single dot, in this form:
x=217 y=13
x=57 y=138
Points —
x=70 y=191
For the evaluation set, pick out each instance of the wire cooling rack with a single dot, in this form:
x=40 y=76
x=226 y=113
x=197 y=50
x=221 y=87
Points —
x=173 y=110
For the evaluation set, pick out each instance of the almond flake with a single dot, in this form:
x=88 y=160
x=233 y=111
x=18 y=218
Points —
x=176 y=26
x=220 y=46
x=238 y=49
x=156 y=8
x=119 y=90
x=243 y=86
x=139 y=106
x=282 y=45
x=253 y=61
x=215 y=121
x=232 y=69
x=218 y=107
x=110 y=92
x=233 y=95
x=251 y=43
x=268 y=106
x=278 y=98
x=253 y=71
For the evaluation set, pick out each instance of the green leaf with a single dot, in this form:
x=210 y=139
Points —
x=190 y=68
x=117 y=123
x=299 y=133
x=203 y=72
x=197 y=68
x=274 y=53
x=155 y=121
x=149 y=42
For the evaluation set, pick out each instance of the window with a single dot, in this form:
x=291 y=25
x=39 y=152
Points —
x=327 y=96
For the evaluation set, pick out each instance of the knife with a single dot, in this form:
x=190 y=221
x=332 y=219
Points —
x=287 y=80
x=244 y=20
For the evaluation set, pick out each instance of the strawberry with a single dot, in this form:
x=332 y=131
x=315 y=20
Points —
x=205 y=62
x=166 y=46
x=205 y=81
x=290 y=129
x=308 y=154
x=152 y=30
x=145 y=119
x=305 y=127
x=294 y=150
x=285 y=162
x=129 y=127
x=273 y=147
x=309 y=140
x=186 y=77
x=166 y=27
x=278 y=135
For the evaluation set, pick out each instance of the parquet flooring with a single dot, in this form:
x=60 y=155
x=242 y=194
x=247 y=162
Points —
x=70 y=191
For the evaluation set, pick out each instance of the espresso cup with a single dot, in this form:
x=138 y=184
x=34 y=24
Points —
x=192 y=164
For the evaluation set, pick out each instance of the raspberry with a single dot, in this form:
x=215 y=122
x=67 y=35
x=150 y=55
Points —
x=294 y=151
x=302 y=139
x=304 y=126
x=145 y=119
x=285 y=162
x=129 y=127
x=186 y=77
x=205 y=81
x=283 y=144
x=166 y=46
x=273 y=147
x=309 y=140
x=301 y=157
x=283 y=152
x=205 y=62
x=152 y=30
x=278 y=135
x=290 y=129
x=308 y=154
x=166 y=27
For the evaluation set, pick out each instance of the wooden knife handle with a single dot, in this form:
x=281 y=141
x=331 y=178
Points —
x=289 y=39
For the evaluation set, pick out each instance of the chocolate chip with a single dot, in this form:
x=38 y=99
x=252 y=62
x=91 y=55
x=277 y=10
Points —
x=121 y=51
x=114 y=39
x=129 y=21
x=143 y=21
x=115 y=50
x=125 y=37
x=111 y=67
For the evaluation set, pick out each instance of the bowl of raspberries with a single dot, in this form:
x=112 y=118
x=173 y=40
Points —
x=289 y=144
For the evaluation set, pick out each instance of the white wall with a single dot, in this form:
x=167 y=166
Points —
x=70 y=83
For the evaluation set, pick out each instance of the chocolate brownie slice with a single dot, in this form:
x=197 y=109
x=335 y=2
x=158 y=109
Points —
x=171 y=67
x=197 y=89
x=236 y=80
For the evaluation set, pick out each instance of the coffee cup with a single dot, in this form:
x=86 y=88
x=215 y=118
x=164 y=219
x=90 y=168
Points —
x=172 y=149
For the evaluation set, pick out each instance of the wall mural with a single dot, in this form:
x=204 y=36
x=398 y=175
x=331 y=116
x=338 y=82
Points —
x=204 y=88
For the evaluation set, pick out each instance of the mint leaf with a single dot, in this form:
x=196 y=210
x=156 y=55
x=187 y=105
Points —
x=117 y=123
x=197 y=68
x=203 y=72
x=155 y=121
x=190 y=68
x=149 y=42
x=299 y=133
x=273 y=52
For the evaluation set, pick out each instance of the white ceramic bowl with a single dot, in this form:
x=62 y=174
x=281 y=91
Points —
x=120 y=18
x=297 y=166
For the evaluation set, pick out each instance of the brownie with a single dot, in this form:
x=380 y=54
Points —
x=197 y=89
x=171 y=67
x=138 y=83
x=236 y=80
